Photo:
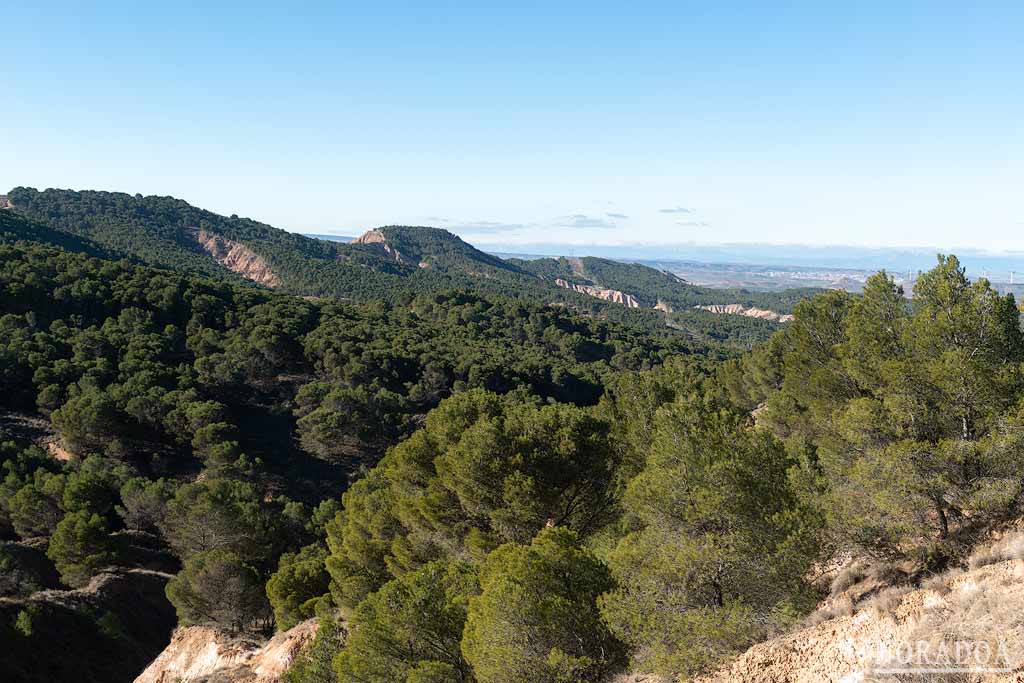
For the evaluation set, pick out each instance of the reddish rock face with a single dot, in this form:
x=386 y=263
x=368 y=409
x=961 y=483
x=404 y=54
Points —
x=376 y=238
x=238 y=258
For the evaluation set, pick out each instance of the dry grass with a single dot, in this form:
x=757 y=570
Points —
x=1010 y=547
x=850 y=575
x=885 y=601
x=986 y=618
x=843 y=607
x=941 y=583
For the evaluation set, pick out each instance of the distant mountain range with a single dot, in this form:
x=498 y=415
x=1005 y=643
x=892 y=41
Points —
x=329 y=238
x=898 y=260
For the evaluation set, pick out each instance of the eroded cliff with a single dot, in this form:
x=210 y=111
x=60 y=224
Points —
x=749 y=311
x=237 y=258
x=613 y=295
x=198 y=654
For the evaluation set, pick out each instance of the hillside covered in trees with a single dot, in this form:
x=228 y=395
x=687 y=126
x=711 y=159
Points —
x=651 y=286
x=461 y=486
x=207 y=428
x=384 y=265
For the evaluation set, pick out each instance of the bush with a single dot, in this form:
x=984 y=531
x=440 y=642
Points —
x=843 y=607
x=888 y=599
x=850 y=575
x=315 y=663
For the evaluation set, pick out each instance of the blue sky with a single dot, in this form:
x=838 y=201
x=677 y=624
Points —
x=828 y=123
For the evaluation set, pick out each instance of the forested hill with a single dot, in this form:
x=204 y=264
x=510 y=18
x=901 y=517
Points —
x=165 y=232
x=170 y=233
x=651 y=286
x=386 y=264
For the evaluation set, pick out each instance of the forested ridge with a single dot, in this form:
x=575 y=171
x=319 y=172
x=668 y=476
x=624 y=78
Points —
x=162 y=231
x=463 y=486
x=651 y=286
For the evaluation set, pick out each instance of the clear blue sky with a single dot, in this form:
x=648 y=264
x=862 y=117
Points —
x=881 y=123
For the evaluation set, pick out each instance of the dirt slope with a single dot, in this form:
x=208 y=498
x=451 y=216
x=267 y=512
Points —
x=982 y=610
x=238 y=258
x=750 y=312
x=613 y=295
x=198 y=654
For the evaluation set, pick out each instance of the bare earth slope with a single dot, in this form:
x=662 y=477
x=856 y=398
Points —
x=238 y=258
x=197 y=654
x=982 y=609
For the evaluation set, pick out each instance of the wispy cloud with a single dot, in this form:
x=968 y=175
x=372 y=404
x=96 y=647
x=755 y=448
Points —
x=579 y=220
x=616 y=215
x=486 y=227
x=677 y=209
x=693 y=224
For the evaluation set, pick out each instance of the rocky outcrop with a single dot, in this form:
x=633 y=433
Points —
x=376 y=239
x=663 y=306
x=613 y=295
x=749 y=311
x=964 y=620
x=5 y=203
x=198 y=654
x=106 y=632
x=237 y=258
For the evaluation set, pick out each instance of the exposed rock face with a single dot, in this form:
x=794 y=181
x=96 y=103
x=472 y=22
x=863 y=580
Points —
x=198 y=654
x=5 y=203
x=613 y=295
x=980 y=608
x=238 y=258
x=105 y=632
x=663 y=306
x=377 y=239
x=750 y=312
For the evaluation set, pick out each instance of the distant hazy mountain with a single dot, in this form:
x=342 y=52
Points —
x=895 y=260
x=329 y=238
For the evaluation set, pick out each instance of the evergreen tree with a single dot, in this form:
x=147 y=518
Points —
x=536 y=619
x=79 y=547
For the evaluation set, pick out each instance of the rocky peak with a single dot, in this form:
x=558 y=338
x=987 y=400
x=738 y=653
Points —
x=377 y=239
